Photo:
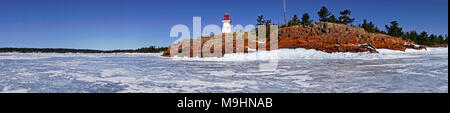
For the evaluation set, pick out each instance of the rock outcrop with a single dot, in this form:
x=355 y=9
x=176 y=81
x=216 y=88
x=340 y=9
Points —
x=327 y=37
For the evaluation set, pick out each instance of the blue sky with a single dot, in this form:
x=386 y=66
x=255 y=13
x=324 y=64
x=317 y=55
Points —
x=129 y=24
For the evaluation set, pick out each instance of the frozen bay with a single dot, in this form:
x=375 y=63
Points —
x=298 y=71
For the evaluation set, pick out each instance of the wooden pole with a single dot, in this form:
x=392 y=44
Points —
x=284 y=6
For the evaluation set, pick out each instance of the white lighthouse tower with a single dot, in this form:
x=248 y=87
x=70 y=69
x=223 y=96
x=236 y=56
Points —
x=226 y=28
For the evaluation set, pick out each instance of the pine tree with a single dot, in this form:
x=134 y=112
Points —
x=294 y=21
x=305 y=20
x=370 y=27
x=413 y=36
x=323 y=14
x=441 y=39
x=446 y=39
x=333 y=19
x=260 y=20
x=367 y=26
x=394 y=29
x=432 y=39
x=423 y=38
x=345 y=19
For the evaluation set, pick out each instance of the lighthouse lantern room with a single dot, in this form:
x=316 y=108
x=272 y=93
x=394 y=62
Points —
x=226 y=28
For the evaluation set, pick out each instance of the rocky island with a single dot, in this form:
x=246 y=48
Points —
x=323 y=36
x=330 y=34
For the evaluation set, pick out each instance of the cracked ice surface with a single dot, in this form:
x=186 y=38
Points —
x=298 y=70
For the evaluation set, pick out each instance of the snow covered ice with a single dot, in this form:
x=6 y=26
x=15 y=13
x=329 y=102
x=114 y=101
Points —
x=298 y=71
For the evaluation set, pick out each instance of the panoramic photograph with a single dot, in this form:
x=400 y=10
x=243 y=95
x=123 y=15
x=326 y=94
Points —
x=230 y=46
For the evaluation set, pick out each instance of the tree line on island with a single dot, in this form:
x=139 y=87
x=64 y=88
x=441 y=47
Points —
x=422 y=38
x=150 y=49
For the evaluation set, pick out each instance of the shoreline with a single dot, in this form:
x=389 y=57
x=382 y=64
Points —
x=70 y=53
x=150 y=49
x=428 y=47
x=311 y=54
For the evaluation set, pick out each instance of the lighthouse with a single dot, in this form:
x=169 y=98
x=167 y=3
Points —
x=226 y=28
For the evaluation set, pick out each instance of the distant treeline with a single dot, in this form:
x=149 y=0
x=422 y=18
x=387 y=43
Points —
x=150 y=49
x=422 y=38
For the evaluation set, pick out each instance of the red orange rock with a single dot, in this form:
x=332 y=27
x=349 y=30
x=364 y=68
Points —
x=327 y=37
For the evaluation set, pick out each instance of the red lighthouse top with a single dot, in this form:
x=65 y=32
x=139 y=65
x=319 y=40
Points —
x=226 y=17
